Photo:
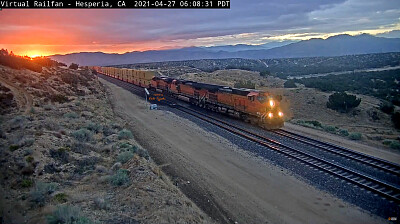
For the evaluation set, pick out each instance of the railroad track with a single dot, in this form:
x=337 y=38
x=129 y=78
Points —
x=363 y=181
x=377 y=163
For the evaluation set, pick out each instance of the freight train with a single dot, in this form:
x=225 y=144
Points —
x=254 y=106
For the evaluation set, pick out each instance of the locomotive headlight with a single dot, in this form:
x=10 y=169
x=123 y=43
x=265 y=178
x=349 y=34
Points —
x=280 y=114
x=271 y=103
x=270 y=115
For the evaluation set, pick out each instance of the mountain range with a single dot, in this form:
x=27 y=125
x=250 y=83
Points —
x=333 y=46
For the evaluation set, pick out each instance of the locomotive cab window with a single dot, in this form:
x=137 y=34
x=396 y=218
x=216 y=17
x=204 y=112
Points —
x=251 y=98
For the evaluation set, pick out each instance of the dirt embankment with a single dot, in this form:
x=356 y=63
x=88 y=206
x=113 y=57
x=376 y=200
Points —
x=65 y=157
x=227 y=182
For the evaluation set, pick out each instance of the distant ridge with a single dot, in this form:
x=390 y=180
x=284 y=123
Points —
x=333 y=46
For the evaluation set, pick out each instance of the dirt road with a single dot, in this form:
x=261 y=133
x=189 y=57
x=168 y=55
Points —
x=23 y=98
x=225 y=181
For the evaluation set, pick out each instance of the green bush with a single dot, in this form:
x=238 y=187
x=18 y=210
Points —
x=71 y=115
x=82 y=135
x=29 y=159
x=120 y=178
x=343 y=132
x=395 y=145
x=123 y=147
x=124 y=156
x=26 y=183
x=143 y=153
x=60 y=197
x=65 y=214
x=342 y=102
x=387 y=107
x=330 y=129
x=290 y=84
x=94 y=127
x=355 y=136
x=13 y=147
x=41 y=191
x=125 y=134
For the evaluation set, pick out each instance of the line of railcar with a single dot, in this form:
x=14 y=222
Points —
x=250 y=105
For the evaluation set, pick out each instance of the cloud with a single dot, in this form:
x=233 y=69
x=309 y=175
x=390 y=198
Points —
x=252 y=22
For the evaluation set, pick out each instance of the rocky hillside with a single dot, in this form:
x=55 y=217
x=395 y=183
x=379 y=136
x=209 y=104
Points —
x=66 y=158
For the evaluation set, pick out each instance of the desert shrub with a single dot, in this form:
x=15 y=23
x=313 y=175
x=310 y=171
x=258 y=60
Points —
x=124 y=156
x=26 y=183
x=65 y=214
x=387 y=107
x=41 y=191
x=107 y=130
x=73 y=66
x=342 y=102
x=80 y=147
x=247 y=85
x=13 y=147
x=101 y=203
x=120 y=178
x=143 y=153
x=60 y=197
x=289 y=84
x=125 y=134
x=86 y=164
x=18 y=122
x=343 y=132
x=29 y=159
x=27 y=142
x=60 y=154
x=330 y=129
x=395 y=145
x=355 y=136
x=71 y=115
x=82 y=135
x=58 y=98
x=125 y=146
x=94 y=127
x=396 y=120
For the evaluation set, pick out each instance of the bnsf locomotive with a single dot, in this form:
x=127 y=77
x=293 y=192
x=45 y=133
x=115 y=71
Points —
x=250 y=105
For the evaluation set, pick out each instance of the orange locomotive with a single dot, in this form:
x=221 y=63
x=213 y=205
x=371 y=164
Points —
x=250 y=105
x=257 y=107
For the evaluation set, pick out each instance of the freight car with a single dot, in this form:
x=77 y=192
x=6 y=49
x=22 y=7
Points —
x=254 y=106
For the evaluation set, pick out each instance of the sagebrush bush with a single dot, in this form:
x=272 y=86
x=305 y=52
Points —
x=83 y=135
x=143 y=153
x=125 y=134
x=120 y=178
x=61 y=197
x=94 y=127
x=343 y=132
x=26 y=183
x=395 y=145
x=65 y=214
x=123 y=147
x=355 y=136
x=107 y=130
x=13 y=147
x=41 y=191
x=71 y=115
x=124 y=156
x=330 y=129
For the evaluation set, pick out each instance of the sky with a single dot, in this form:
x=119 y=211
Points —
x=35 y=32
